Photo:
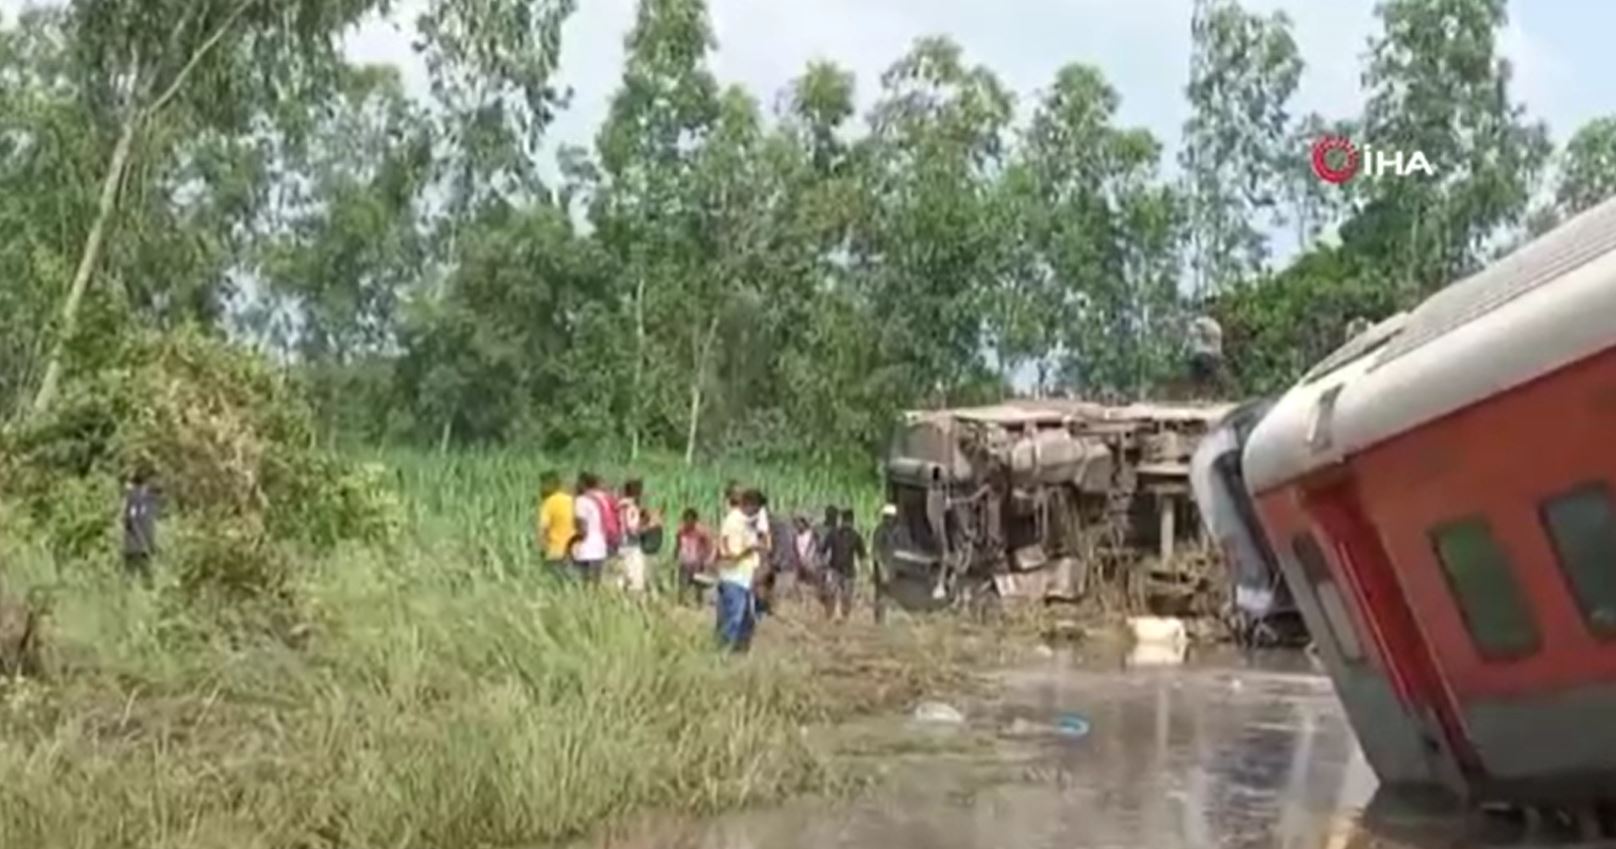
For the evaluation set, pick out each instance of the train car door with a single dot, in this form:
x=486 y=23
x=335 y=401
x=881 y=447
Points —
x=1407 y=657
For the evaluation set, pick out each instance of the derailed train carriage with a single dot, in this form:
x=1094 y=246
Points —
x=1036 y=499
x=1262 y=610
x=1440 y=495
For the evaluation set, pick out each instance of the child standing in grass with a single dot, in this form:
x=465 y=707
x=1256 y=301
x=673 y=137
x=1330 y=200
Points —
x=695 y=551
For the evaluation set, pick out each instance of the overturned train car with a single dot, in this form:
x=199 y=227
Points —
x=1262 y=611
x=1040 y=499
x=1441 y=498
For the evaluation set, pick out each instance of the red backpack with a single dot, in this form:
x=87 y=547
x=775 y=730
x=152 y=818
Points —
x=610 y=523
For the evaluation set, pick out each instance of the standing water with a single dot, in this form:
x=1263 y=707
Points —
x=1222 y=752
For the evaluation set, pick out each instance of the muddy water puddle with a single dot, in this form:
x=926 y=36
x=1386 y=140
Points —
x=1081 y=750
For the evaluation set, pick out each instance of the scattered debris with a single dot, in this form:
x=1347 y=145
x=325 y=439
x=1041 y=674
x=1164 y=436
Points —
x=1158 y=641
x=1069 y=725
x=1073 y=725
x=1165 y=630
x=939 y=713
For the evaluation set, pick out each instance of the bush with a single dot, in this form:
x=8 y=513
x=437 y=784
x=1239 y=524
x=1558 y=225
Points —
x=233 y=449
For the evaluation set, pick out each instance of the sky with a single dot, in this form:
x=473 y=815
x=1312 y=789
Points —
x=1560 y=49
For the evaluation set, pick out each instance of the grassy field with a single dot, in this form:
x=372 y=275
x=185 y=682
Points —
x=440 y=694
x=487 y=499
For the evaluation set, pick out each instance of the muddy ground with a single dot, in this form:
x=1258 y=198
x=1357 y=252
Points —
x=1079 y=748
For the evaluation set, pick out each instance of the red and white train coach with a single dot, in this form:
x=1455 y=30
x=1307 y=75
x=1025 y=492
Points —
x=1441 y=493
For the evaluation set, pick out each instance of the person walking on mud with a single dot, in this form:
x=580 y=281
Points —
x=845 y=549
x=821 y=555
x=763 y=581
x=738 y=559
x=883 y=544
x=140 y=511
x=807 y=546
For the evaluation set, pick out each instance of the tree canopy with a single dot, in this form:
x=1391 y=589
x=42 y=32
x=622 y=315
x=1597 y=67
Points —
x=723 y=269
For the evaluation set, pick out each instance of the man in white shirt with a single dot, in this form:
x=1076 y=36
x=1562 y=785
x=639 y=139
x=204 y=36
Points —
x=589 y=551
x=737 y=565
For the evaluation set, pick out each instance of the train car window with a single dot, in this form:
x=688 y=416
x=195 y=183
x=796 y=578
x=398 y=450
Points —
x=1331 y=603
x=1483 y=582
x=1581 y=524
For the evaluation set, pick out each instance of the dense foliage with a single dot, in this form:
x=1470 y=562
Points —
x=242 y=475
x=711 y=277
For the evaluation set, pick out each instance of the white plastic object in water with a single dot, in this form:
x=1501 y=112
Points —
x=1158 y=641
x=938 y=712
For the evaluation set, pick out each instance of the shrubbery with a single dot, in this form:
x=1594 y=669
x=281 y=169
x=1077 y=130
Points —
x=233 y=447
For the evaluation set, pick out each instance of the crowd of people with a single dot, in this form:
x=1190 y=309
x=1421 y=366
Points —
x=751 y=561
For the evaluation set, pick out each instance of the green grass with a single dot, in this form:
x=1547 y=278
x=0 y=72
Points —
x=438 y=695
x=485 y=500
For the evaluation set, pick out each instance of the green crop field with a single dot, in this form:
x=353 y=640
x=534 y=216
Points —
x=487 y=499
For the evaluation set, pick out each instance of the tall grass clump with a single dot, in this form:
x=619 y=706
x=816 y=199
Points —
x=428 y=706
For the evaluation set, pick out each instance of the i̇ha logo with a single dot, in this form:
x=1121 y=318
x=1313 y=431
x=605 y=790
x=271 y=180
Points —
x=1336 y=160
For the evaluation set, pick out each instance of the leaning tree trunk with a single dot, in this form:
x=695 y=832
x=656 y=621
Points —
x=636 y=408
x=138 y=114
x=108 y=202
x=704 y=353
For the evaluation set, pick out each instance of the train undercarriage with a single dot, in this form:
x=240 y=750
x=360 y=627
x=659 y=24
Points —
x=1055 y=500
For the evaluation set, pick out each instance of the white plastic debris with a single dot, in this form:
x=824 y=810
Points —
x=1158 y=641
x=938 y=712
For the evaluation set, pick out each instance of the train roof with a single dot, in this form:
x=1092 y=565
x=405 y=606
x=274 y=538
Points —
x=1056 y=410
x=1548 y=304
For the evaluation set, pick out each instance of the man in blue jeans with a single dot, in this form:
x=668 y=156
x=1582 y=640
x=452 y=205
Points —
x=737 y=565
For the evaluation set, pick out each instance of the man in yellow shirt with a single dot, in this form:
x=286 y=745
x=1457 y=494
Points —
x=557 y=527
x=737 y=564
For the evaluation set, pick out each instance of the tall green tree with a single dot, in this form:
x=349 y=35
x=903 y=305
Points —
x=492 y=66
x=348 y=243
x=1096 y=242
x=146 y=66
x=938 y=235
x=1437 y=85
x=832 y=390
x=646 y=213
x=740 y=187
x=470 y=315
x=1587 y=167
x=47 y=186
x=1238 y=141
x=498 y=357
